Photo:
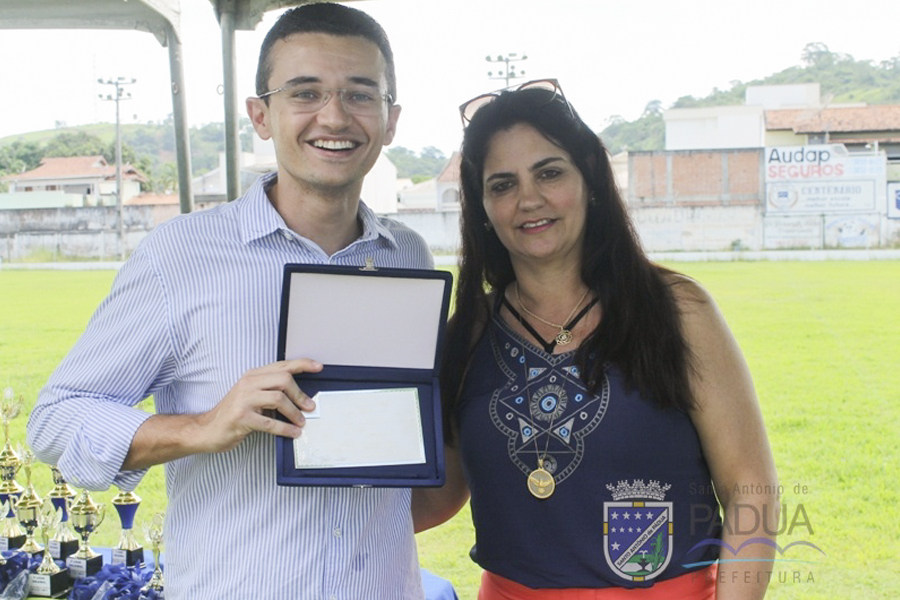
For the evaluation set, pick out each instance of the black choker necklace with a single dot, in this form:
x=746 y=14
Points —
x=547 y=346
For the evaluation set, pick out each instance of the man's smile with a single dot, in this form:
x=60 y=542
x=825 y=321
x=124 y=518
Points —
x=339 y=145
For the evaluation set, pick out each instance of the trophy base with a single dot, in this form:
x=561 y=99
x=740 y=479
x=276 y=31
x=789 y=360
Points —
x=129 y=558
x=80 y=568
x=54 y=585
x=11 y=543
x=62 y=550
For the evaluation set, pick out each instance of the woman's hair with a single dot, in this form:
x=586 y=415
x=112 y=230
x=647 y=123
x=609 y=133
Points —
x=640 y=329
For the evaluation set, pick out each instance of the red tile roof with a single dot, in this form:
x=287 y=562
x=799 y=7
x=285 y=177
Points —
x=884 y=117
x=153 y=199
x=450 y=172
x=72 y=167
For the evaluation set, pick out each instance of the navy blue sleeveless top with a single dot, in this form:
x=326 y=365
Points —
x=633 y=502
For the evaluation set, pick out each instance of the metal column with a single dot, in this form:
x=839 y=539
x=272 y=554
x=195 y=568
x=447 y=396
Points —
x=179 y=114
x=227 y=21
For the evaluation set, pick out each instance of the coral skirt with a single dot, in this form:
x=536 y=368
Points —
x=697 y=585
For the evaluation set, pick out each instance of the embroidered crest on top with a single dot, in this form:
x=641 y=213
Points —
x=558 y=413
x=637 y=529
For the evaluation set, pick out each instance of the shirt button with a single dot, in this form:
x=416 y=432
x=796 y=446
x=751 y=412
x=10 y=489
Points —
x=337 y=532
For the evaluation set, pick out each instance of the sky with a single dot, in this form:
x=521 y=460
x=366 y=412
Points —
x=611 y=59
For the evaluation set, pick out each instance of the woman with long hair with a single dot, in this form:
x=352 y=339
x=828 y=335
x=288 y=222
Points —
x=600 y=415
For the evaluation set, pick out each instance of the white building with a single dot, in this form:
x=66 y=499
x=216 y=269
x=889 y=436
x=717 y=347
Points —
x=741 y=126
x=73 y=181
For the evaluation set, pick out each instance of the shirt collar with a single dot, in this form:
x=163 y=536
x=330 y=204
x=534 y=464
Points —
x=258 y=218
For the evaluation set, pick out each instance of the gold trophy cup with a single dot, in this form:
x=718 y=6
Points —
x=64 y=542
x=49 y=580
x=128 y=551
x=28 y=507
x=11 y=534
x=86 y=517
x=154 y=532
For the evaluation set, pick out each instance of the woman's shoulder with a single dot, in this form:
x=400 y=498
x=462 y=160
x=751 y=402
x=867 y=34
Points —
x=686 y=290
x=700 y=315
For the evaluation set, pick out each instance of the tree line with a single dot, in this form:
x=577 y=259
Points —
x=151 y=147
x=842 y=79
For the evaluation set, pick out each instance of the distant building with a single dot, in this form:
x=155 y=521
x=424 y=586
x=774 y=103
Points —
x=74 y=181
x=785 y=115
x=858 y=128
x=439 y=194
x=784 y=170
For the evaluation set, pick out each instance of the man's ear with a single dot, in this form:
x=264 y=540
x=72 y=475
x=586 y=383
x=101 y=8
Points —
x=391 y=125
x=258 y=111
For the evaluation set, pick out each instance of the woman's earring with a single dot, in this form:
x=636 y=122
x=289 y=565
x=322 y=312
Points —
x=488 y=226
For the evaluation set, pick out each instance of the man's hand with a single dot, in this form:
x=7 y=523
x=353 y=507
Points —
x=249 y=406
x=250 y=403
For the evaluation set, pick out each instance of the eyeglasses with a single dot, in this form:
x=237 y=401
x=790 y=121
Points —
x=307 y=98
x=552 y=88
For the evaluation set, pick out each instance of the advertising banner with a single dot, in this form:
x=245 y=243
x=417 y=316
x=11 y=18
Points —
x=893 y=198
x=823 y=179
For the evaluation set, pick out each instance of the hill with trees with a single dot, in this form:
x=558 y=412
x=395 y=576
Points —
x=842 y=79
x=151 y=146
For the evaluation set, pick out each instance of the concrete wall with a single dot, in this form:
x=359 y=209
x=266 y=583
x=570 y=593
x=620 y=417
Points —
x=711 y=200
x=440 y=229
x=679 y=201
x=695 y=178
x=69 y=233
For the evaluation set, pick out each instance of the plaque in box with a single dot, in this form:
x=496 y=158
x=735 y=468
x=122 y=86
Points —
x=378 y=333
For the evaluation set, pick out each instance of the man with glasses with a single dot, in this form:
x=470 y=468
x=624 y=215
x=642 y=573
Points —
x=192 y=319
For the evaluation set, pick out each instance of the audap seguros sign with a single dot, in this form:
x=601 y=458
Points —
x=823 y=179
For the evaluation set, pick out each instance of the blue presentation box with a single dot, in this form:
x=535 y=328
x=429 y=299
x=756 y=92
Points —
x=379 y=333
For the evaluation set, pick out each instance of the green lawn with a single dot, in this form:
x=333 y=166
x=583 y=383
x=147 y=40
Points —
x=821 y=340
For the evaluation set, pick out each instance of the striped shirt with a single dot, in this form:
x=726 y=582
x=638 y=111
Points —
x=195 y=307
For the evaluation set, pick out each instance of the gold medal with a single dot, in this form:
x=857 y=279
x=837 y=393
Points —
x=541 y=483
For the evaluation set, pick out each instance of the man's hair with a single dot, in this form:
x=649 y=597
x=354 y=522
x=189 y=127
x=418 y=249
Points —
x=333 y=19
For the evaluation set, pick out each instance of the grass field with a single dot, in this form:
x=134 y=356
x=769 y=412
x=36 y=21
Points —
x=822 y=341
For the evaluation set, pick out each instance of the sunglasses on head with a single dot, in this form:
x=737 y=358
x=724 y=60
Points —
x=552 y=88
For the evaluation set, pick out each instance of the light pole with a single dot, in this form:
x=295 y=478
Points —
x=120 y=95
x=509 y=70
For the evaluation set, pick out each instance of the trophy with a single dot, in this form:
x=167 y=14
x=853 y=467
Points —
x=11 y=534
x=86 y=517
x=64 y=542
x=48 y=580
x=128 y=551
x=154 y=533
x=28 y=507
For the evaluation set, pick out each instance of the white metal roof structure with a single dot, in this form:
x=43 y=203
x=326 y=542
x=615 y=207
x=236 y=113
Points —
x=162 y=19
x=158 y=17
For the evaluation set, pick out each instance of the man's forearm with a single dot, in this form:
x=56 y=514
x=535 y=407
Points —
x=163 y=438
